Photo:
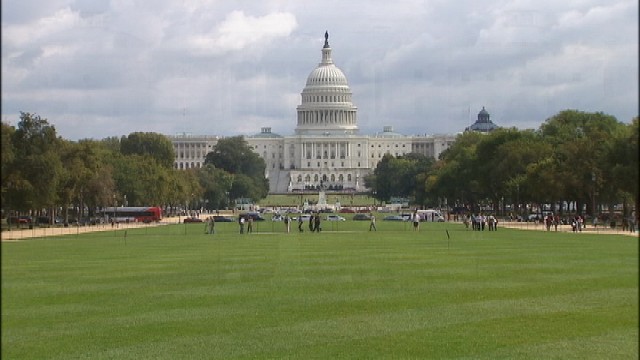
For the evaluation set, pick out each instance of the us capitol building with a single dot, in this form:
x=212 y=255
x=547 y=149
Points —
x=326 y=149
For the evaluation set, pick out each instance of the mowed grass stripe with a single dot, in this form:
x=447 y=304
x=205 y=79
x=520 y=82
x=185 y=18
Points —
x=385 y=294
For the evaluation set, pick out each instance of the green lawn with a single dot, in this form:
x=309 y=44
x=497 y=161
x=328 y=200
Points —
x=173 y=292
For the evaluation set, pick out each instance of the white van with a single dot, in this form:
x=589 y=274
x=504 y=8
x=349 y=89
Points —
x=431 y=215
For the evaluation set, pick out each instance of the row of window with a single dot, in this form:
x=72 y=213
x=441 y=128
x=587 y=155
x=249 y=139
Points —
x=326 y=98
x=192 y=155
x=316 y=177
x=327 y=164
x=176 y=146
x=388 y=146
x=187 y=165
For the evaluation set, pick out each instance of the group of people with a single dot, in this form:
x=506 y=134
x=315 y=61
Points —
x=210 y=225
x=314 y=223
x=248 y=220
x=480 y=222
x=551 y=220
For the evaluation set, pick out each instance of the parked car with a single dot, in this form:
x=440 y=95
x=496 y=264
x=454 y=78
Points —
x=305 y=218
x=192 y=220
x=335 y=218
x=20 y=219
x=221 y=218
x=254 y=215
x=347 y=211
x=361 y=217
x=394 y=218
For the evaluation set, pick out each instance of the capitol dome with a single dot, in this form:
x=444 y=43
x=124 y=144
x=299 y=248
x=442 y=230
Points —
x=327 y=74
x=326 y=106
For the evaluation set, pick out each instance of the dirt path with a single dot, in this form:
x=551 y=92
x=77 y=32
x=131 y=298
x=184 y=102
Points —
x=40 y=232
x=15 y=235
x=566 y=228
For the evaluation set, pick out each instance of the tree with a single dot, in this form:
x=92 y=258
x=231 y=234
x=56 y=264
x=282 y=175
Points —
x=34 y=174
x=141 y=180
x=74 y=176
x=401 y=176
x=622 y=156
x=580 y=141
x=216 y=185
x=234 y=156
x=154 y=145
x=507 y=154
x=7 y=156
x=454 y=175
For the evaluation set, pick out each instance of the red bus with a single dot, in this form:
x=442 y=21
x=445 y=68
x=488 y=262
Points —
x=144 y=214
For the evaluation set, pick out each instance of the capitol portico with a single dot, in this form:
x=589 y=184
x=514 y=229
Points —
x=326 y=149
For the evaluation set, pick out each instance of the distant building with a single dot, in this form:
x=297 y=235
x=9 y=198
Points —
x=326 y=151
x=483 y=124
x=191 y=150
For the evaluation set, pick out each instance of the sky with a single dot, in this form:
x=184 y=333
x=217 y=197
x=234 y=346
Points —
x=103 y=68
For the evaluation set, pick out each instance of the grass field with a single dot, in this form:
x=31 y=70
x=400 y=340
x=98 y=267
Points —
x=173 y=292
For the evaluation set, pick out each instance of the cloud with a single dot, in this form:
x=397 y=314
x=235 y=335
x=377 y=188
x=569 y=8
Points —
x=225 y=68
x=239 y=31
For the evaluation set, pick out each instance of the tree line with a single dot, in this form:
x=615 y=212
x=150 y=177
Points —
x=579 y=157
x=44 y=174
x=587 y=159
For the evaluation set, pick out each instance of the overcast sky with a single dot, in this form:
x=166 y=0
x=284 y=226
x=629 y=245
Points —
x=100 y=68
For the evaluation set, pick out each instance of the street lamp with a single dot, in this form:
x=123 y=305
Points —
x=518 y=201
x=115 y=204
x=593 y=179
